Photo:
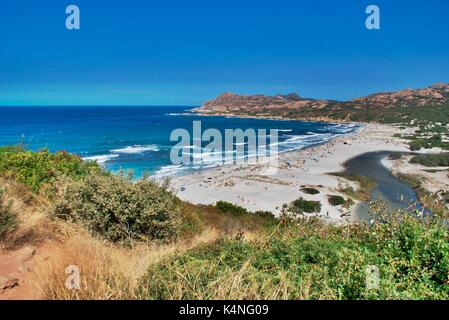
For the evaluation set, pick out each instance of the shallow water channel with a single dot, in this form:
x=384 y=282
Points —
x=395 y=192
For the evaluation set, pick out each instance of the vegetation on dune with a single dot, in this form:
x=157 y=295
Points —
x=435 y=141
x=235 y=210
x=227 y=207
x=310 y=190
x=301 y=206
x=36 y=169
x=336 y=200
x=432 y=160
x=432 y=123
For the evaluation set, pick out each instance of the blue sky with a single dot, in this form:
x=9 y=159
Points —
x=178 y=52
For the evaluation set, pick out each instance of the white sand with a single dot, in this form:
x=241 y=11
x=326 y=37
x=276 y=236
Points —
x=246 y=186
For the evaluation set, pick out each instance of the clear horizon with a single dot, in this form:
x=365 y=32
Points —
x=182 y=105
x=151 y=55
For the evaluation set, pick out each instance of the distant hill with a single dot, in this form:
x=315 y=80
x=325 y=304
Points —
x=382 y=107
x=436 y=94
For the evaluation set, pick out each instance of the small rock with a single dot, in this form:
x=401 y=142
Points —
x=26 y=253
x=8 y=282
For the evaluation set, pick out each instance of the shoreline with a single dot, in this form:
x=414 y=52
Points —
x=247 y=186
x=194 y=112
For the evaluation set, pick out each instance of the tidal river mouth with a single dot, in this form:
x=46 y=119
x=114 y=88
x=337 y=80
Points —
x=396 y=193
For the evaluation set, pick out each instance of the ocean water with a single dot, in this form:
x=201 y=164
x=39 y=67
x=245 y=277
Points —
x=138 y=138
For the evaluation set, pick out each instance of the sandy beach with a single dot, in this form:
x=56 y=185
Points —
x=247 y=185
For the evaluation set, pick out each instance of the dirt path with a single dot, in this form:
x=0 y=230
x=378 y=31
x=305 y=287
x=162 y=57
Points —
x=15 y=268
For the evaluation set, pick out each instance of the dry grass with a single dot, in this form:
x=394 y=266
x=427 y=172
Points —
x=107 y=271
x=195 y=280
x=237 y=285
x=31 y=213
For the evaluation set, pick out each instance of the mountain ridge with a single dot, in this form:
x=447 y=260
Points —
x=293 y=105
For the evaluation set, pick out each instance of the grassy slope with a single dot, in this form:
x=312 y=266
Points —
x=307 y=260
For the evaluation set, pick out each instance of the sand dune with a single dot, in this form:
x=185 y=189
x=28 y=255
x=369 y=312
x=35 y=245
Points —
x=249 y=187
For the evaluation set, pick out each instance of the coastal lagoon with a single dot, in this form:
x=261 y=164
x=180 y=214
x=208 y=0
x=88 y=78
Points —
x=396 y=193
x=138 y=138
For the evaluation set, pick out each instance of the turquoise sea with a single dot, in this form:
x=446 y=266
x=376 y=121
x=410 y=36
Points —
x=138 y=138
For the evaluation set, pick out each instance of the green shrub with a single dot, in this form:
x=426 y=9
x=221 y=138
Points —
x=428 y=142
x=432 y=160
x=311 y=261
x=227 y=207
x=301 y=206
x=336 y=200
x=235 y=210
x=118 y=209
x=415 y=145
x=310 y=190
x=8 y=221
x=38 y=168
x=265 y=215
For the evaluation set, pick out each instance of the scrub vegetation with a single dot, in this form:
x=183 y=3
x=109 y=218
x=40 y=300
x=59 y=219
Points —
x=137 y=240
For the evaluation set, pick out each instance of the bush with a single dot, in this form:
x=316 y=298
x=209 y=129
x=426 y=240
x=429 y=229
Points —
x=310 y=261
x=432 y=160
x=415 y=145
x=435 y=141
x=336 y=200
x=38 y=168
x=301 y=206
x=310 y=190
x=235 y=210
x=118 y=209
x=268 y=215
x=8 y=221
x=227 y=207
